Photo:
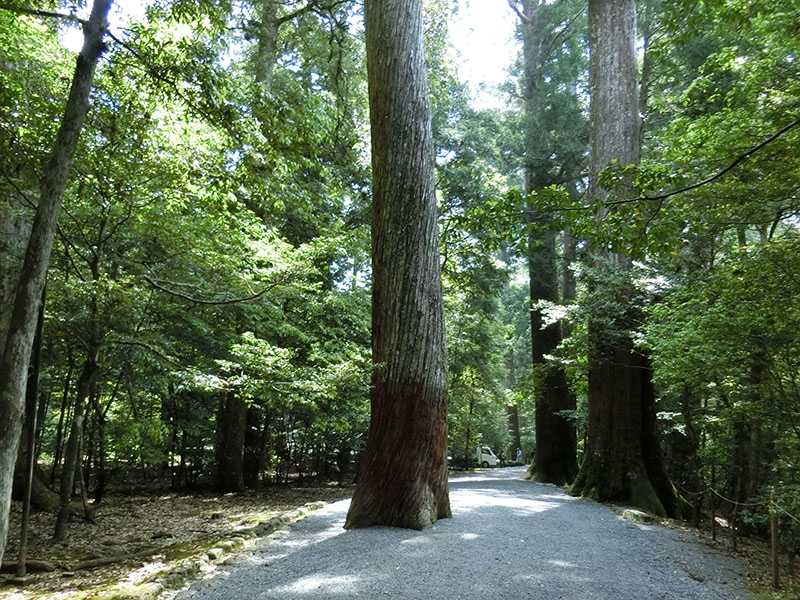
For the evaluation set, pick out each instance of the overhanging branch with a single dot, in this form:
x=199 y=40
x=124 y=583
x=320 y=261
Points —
x=22 y=10
x=740 y=159
x=227 y=301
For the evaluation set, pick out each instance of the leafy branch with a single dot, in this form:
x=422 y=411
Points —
x=666 y=195
x=740 y=159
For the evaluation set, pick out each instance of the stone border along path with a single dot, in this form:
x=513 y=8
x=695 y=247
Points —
x=163 y=583
x=509 y=539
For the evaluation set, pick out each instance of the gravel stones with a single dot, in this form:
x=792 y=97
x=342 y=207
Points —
x=508 y=538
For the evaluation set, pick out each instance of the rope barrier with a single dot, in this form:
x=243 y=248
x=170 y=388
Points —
x=735 y=503
x=775 y=510
x=787 y=513
x=716 y=493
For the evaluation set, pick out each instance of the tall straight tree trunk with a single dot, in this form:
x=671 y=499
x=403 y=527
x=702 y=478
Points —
x=555 y=459
x=232 y=423
x=403 y=477
x=19 y=340
x=623 y=460
x=266 y=52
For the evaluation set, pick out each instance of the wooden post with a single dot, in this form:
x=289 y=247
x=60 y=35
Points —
x=773 y=530
x=713 y=504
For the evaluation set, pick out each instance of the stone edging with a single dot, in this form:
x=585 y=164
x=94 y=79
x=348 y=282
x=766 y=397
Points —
x=176 y=576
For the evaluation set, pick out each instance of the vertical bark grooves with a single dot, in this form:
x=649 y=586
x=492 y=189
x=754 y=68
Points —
x=19 y=342
x=614 y=111
x=622 y=461
x=555 y=458
x=232 y=433
x=403 y=476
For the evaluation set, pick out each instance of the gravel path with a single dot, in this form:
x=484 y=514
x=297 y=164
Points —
x=508 y=539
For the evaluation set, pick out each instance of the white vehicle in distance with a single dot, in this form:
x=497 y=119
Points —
x=486 y=458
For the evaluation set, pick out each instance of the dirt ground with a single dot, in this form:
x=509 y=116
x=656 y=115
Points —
x=142 y=533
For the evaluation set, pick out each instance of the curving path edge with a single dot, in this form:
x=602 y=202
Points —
x=508 y=539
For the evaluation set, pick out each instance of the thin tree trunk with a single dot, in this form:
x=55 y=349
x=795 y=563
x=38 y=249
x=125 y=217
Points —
x=568 y=283
x=41 y=416
x=469 y=451
x=512 y=414
x=31 y=393
x=19 y=342
x=232 y=424
x=73 y=450
x=59 y=442
x=409 y=394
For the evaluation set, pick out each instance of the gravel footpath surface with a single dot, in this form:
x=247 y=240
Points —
x=508 y=539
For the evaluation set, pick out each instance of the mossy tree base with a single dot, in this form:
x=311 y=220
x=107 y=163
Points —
x=623 y=460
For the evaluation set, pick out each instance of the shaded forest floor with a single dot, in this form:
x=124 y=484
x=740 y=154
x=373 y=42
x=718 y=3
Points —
x=754 y=551
x=142 y=534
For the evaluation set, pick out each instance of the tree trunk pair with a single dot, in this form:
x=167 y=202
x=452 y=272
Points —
x=72 y=452
x=16 y=352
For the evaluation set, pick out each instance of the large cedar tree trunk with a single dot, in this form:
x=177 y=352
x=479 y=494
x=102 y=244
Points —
x=403 y=476
x=555 y=459
x=28 y=293
x=622 y=461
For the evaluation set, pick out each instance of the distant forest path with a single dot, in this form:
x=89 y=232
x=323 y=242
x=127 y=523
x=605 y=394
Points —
x=508 y=539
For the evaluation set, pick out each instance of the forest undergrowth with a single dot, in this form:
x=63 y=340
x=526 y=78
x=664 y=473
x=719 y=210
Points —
x=140 y=534
x=753 y=551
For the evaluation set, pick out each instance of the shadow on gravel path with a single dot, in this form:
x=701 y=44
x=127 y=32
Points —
x=508 y=539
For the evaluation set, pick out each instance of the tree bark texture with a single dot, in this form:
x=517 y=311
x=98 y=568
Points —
x=28 y=292
x=623 y=460
x=555 y=458
x=267 y=47
x=31 y=426
x=15 y=229
x=403 y=476
x=613 y=84
x=230 y=456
